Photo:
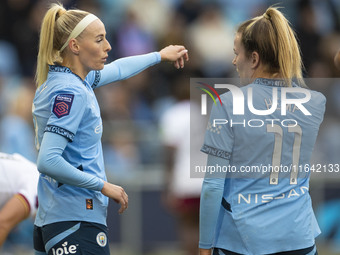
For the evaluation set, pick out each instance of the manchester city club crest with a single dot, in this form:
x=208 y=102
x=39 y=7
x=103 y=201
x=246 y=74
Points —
x=102 y=239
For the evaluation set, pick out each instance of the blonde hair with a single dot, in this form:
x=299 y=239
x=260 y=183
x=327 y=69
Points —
x=56 y=27
x=271 y=36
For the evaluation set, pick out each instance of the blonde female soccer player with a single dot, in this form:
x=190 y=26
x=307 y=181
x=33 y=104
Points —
x=270 y=211
x=73 y=191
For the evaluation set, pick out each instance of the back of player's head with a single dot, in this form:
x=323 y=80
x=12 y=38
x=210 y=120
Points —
x=271 y=36
x=56 y=27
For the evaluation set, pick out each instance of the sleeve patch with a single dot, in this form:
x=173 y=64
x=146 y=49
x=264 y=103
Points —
x=62 y=105
x=216 y=152
x=60 y=131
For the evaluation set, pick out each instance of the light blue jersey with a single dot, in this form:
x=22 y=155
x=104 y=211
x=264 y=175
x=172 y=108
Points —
x=66 y=105
x=262 y=211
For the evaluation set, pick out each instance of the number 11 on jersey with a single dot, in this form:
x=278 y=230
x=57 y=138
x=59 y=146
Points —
x=277 y=152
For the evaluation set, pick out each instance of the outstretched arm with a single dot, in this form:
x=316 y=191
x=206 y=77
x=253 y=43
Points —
x=127 y=67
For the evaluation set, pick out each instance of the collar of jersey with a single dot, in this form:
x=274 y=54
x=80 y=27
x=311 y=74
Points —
x=63 y=69
x=270 y=82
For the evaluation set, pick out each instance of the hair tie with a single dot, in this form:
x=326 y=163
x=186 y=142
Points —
x=266 y=16
x=79 y=28
x=61 y=12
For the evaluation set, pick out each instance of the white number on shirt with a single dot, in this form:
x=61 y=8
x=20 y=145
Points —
x=277 y=152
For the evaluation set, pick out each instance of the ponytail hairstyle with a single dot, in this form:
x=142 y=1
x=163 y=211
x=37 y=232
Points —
x=56 y=27
x=271 y=36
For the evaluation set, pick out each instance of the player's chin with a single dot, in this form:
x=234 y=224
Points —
x=99 y=66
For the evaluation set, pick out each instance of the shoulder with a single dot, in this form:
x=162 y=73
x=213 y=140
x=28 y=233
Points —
x=237 y=91
x=62 y=78
x=317 y=102
x=66 y=84
x=318 y=96
x=235 y=94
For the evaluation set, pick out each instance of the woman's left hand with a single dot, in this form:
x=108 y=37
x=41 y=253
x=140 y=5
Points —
x=175 y=53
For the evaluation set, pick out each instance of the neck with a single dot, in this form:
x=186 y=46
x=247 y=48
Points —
x=75 y=67
x=263 y=74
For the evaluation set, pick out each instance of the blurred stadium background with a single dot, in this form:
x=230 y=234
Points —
x=131 y=109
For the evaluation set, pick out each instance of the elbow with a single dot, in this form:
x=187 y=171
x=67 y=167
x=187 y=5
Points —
x=45 y=163
x=213 y=184
x=41 y=164
x=211 y=190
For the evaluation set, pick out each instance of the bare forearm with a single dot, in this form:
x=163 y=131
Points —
x=13 y=212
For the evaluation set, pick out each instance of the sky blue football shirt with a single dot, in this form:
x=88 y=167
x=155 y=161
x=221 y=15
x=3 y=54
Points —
x=66 y=105
x=263 y=212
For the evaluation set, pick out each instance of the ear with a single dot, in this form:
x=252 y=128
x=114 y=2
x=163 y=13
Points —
x=74 y=46
x=255 y=59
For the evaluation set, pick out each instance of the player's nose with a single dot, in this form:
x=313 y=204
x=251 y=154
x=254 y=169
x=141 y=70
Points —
x=107 y=46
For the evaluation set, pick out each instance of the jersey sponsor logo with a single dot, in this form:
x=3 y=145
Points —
x=65 y=249
x=266 y=198
x=62 y=105
x=102 y=239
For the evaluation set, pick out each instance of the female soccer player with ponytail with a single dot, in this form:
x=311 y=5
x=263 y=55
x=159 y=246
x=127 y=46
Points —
x=73 y=192
x=268 y=212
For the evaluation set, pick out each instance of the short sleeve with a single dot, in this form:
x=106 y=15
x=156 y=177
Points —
x=219 y=137
x=67 y=110
x=28 y=179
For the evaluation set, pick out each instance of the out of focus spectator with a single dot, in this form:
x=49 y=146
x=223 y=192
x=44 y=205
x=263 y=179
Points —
x=152 y=15
x=210 y=38
x=16 y=127
x=190 y=10
x=18 y=26
x=121 y=154
x=132 y=39
x=316 y=22
x=9 y=61
x=181 y=193
x=307 y=31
